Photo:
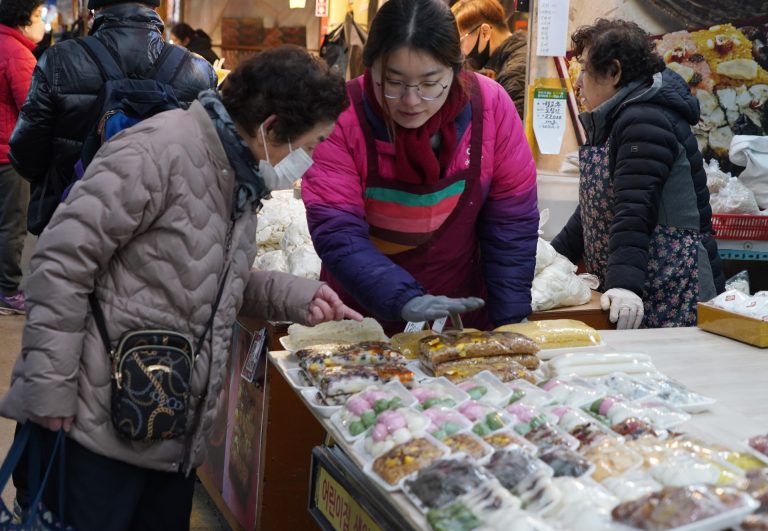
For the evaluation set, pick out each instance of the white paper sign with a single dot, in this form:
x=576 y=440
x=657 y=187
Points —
x=414 y=326
x=297 y=4
x=321 y=8
x=438 y=325
x=552 y=28
x=549 y=110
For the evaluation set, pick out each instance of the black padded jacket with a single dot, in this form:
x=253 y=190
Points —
x=59 y=111
x=655 y=164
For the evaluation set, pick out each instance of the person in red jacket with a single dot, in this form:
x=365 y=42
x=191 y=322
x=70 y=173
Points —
x=21 y=28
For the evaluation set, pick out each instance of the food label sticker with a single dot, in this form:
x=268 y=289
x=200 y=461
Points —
x=338 y=506
x=414 y=326
x=257 y=347
x=438 y=325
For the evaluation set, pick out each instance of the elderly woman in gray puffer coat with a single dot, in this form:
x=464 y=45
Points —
x=163 y=223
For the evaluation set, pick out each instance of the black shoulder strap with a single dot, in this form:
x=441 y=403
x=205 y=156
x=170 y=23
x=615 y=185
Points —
x=108 y=66
x=101 y=323
x=169 y=63
x=165 y=71
x=209 y=324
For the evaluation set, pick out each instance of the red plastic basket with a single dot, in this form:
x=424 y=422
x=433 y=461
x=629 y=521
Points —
x=740 y=227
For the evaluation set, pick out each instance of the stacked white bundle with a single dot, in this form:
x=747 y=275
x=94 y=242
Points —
x=283 y=239
x=556 y=283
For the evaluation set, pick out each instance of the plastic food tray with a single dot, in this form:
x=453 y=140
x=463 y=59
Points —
x=324 y=410
x=534 y=396
x=416 y=501
x=727 y=520
x=393 y=387
x=298 y=379
x=443 y=384
x=368 y=468
x=498 y=392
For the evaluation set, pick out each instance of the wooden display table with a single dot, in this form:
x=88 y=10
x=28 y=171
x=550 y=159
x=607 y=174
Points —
x=590 y=314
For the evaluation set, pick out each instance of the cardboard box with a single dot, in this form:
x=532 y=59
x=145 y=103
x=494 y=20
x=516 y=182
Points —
x=733 y=325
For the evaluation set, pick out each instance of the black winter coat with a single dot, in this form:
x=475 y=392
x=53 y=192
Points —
x=60 y=108
x=651 y=145
x=201 y=44
x=510 y=61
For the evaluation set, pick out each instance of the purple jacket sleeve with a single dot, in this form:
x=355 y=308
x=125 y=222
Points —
x=377 y=283
x=508 y=225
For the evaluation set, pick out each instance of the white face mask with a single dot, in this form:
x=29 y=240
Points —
x=288 y=171
x=35 y=31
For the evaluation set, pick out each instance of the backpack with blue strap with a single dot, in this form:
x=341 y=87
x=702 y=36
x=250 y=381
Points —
x=125 y=101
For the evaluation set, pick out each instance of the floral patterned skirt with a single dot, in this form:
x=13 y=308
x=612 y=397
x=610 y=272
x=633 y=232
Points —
x=672 y=283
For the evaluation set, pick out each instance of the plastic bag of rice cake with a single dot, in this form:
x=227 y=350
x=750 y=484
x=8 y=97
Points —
x=300 y=336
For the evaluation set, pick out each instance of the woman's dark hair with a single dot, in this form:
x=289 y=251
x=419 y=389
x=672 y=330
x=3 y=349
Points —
x=472 y=13
x=426 y=25
x=300 y=90
x=620 y=40
x=18 y=13
x=182 y=31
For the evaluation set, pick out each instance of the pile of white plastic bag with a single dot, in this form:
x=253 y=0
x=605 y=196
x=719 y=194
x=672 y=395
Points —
x=556 y=283
x=728 y=194
x=283 y=239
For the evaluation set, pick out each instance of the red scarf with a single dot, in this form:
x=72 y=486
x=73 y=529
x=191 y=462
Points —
x=415 y=160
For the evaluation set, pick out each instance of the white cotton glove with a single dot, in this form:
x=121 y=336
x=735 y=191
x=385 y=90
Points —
x=626 y=308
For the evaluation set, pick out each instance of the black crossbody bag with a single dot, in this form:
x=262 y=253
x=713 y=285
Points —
x=151 y=375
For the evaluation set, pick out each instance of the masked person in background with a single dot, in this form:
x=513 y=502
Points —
x=643 y=224
x=195 y=40
x=162 y=230
x=21 y=28
x=423 y=199
x=489 y=45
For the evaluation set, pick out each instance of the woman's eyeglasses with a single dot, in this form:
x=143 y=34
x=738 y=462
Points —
x=427 y=90
x=467 y=34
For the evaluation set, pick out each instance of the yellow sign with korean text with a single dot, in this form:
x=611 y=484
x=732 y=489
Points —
x=338 y=506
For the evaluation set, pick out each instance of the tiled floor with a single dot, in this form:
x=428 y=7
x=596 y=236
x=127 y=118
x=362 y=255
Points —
x=205 y=516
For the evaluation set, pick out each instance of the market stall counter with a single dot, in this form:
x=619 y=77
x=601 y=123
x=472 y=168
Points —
x=590 y=313
x=346 y=493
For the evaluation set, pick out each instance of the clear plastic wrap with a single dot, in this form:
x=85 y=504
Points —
x=716 y=178
x=443 y=481
x=545 y=255
x=557 y=333
x=443 y=348
x=739 y=282
x=584 y=505
x=735 y=301
x=347 y=331
x=611 y=458
x=558 y=285
x=678 y=506
x=734 y=198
